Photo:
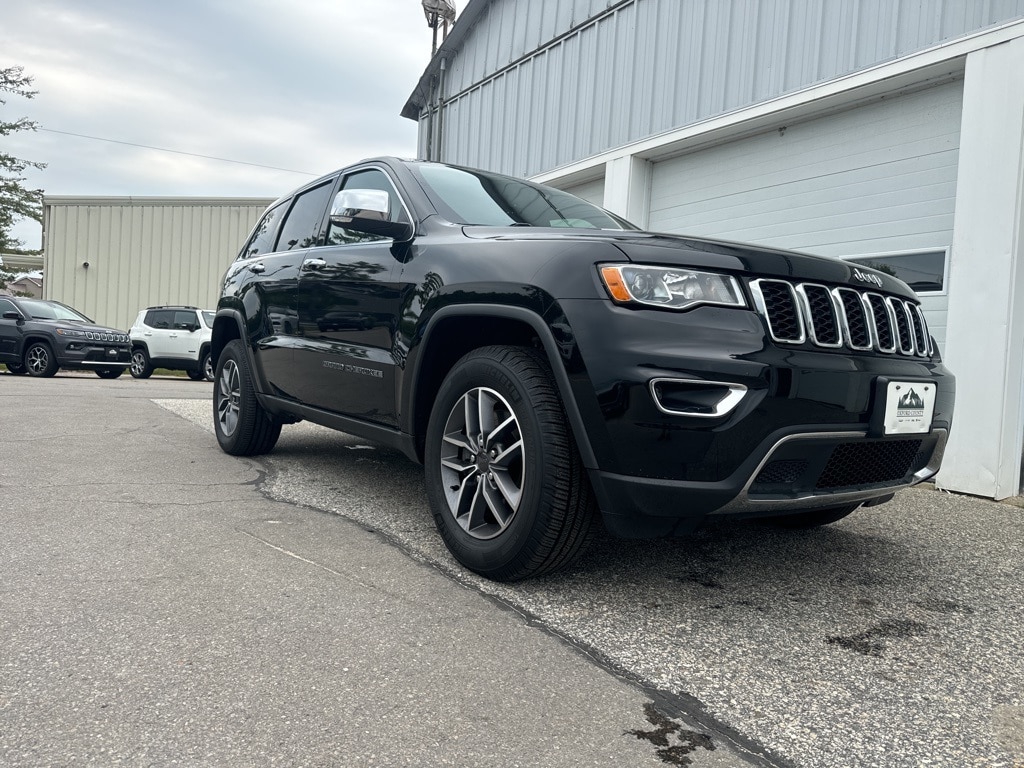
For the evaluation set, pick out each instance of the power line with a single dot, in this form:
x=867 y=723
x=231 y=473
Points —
x=174 y=151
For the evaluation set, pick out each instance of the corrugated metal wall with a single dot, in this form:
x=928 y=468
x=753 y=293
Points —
x=141 y=251
x=538 y=84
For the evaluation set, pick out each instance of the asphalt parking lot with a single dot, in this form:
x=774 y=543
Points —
x=892 y=638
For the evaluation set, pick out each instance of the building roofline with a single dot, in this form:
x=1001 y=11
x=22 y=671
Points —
x=463 y=24
x=143 y=201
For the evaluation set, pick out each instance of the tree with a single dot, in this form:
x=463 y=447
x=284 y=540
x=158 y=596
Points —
x=16 y=201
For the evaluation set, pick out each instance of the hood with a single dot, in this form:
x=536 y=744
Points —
x=706 y=253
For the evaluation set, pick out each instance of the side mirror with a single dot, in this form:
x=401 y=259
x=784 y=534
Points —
x=12 y=315
x=368 y=211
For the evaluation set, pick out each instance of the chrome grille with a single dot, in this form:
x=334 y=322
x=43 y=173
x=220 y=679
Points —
x=841 y=317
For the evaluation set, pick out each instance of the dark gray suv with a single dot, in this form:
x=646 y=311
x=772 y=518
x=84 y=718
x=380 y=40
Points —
x=39 y=337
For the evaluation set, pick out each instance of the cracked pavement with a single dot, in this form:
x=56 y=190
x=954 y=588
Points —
x=892 y=638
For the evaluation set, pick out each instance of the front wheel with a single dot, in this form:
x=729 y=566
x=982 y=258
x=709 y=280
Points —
x=506 y=485
x=109 y=373
x=242 y=425
x=206 y=366
x=811 y=518
x=40 y=361
x=141 y=368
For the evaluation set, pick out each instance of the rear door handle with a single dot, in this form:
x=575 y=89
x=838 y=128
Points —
x=314 y=264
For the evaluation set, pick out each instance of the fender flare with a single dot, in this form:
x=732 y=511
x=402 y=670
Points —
x=218 y=340
x=547 y=339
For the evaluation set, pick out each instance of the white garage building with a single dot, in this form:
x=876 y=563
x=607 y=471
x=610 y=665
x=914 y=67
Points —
x=885 y=130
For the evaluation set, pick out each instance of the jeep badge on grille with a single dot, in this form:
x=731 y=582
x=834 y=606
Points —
x=866 y=278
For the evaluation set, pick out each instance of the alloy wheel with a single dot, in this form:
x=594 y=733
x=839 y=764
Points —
x=483 y=463
x=229 y=395
x=38 y=359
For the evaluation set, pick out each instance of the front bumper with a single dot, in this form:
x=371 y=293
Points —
x=93 y=355
x=799 y=435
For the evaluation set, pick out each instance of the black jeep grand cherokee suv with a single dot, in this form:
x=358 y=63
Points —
x=546 y=360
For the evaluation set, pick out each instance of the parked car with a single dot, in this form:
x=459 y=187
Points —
x=39 y=337
x=547 y=361
x=172 y=337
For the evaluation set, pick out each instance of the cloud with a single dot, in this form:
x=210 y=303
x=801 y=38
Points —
x=310 y=86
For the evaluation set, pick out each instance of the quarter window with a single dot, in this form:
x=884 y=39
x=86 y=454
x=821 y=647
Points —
x=159 y=318
x=302 y=223
x=262 y=239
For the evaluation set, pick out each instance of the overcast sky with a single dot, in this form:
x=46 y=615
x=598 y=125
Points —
x=305 y=85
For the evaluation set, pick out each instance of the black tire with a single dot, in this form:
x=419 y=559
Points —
x=195 y=375
x=141 y=367
x=109 y=373
x=40 y=360
x=242 y=425
x=509 y=502
x=206 y=366
x=811 y=518
x=18 y=369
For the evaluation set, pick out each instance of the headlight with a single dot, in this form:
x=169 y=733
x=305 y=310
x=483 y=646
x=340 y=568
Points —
x=669 y=287
x=68 y=332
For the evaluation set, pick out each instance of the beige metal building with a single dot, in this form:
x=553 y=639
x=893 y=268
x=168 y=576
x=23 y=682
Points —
x=109 y=257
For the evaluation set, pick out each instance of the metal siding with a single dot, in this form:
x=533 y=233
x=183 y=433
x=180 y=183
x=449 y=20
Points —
x=654 y=65
x=141 y=253
x=875 y=179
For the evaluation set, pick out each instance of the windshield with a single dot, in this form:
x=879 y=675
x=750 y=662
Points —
x=208 y=318
x=51 y=310
x=473 y=197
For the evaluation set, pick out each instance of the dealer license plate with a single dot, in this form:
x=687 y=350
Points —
x=909 y=406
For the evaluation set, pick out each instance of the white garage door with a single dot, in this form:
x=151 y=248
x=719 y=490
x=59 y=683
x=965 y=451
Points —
x=872 y=181
x=592 y=191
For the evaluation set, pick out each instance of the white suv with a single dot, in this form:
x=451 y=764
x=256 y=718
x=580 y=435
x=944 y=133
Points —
x=174 y=337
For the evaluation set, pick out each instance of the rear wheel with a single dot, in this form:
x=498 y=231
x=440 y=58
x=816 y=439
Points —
x=506 y=485
x=39 y=360
x=109 y=373
x=243 y=426
x=141 y=368
x=811 y=518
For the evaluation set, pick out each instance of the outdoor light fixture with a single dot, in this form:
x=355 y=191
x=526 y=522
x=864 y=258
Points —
x=438 y=11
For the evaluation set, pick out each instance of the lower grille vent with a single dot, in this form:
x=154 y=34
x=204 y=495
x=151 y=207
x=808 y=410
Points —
x=778 y=472
x=854 y=464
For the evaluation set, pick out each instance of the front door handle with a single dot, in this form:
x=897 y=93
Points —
x=258 y=268
x=314 y=264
